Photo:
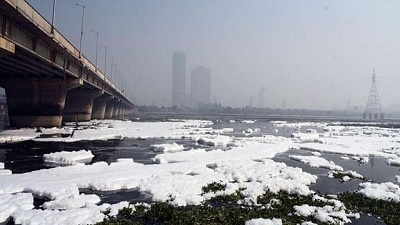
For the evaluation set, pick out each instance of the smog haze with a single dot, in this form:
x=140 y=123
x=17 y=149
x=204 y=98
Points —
x=312 y=54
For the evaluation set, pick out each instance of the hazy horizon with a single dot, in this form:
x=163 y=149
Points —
x=311 y=54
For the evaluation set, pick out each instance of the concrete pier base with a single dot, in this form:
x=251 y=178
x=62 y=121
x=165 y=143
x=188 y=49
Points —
x=35 y=102
x=79 y=105
x=122 y=112
x=116 y=112
x=99 y=107
x=109 y=110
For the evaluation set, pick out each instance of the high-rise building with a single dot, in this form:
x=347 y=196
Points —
x=178 y=78
x=261 y=98
x=200 y=86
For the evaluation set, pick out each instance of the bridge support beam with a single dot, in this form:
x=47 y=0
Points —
x=122 y=112
x=116 y=111
x=109 y=110
x=79 y=105
x=35 y=102
x=99 y=107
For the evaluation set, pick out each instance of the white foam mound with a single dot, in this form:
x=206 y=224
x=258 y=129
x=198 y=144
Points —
x=67 y=217
x=12 y=136
x=261 y=221
x=361 y=160
x=91 y=214
x=174 y=147
x=68 y=158
x=248 y=121
x=348 y=175
x=385 y=191
x=5 y=172
x=316 y=153
x=262 y=175
x=327 y=214
x=394 y=162
x=357 y=143
x=305 y=136
x=109 y=129
x=308 y=223
x=315 y=161
x=217 y=141
x=13 y=203
x=72 y=201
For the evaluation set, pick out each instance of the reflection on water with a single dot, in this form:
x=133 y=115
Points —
x=366 y=220
x=113 y=197
x=28 y=156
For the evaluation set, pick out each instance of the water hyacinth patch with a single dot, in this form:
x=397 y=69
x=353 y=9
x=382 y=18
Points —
x=231 y=209
x=388 y=211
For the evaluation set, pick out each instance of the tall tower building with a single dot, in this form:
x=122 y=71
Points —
x=178 y=78
x=200 y=86
x=261 y=98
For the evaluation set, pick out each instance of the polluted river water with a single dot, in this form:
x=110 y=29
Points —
x=24 y=157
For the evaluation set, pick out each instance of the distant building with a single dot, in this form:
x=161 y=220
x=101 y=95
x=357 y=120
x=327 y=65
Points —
x=200 y=86
x=261 y=98
x=178 y=78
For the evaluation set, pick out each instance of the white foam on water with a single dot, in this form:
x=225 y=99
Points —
x=174 y=147
x=316 y=161
x=261 y=221
x=68 y=158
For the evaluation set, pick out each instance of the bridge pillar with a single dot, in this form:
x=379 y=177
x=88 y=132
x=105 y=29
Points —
x=35 y=102
x=79 y=105
x=123 y=110
x=109 y=110
x=99 y=106
x=116 y=111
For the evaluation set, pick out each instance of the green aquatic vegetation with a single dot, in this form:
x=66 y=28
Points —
x=388 y=211
x=224 y=209
x=213 y=187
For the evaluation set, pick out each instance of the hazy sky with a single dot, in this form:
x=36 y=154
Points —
x=312 y=53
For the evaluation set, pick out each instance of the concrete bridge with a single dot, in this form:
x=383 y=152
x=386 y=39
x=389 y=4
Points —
x=46 y=79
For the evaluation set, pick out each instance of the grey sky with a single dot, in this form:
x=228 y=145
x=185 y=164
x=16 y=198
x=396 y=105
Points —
x=313 y=53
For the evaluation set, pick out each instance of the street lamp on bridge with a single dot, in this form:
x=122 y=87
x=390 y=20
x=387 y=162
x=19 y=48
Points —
x=105 y=59
x=97 y=44
x=54 y=16
x=115 y=75
x=80 y=43
x=112 y=64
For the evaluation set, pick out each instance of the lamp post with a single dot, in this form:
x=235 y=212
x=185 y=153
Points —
x=115 y=74
x=122 y=80
x=112 y=64
x=97 y=44
x=105 y=58
x=83 y=14
x=54 y=16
